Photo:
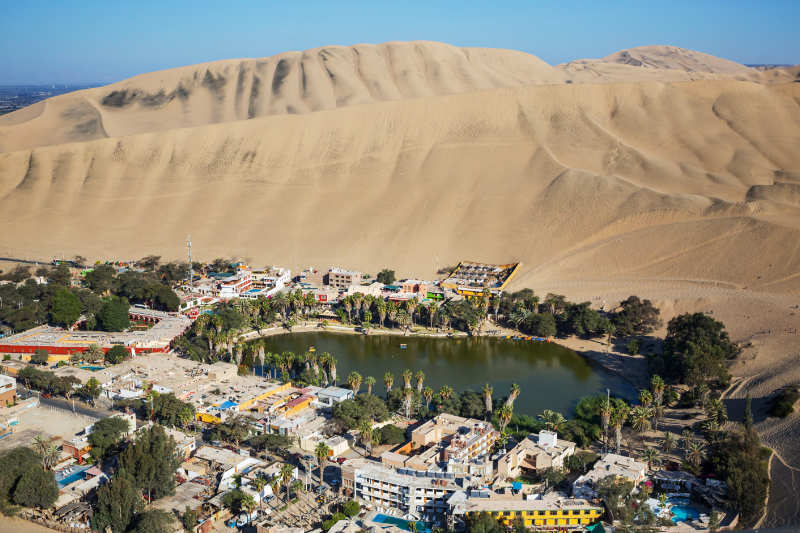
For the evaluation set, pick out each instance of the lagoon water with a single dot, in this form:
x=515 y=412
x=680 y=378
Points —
x=549 y=375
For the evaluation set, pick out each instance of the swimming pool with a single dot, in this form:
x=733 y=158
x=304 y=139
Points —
x=71 y=475
x=93 y=368
x=682 y=513
x=422 y=527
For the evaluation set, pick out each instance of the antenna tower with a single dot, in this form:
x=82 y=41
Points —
x=191 y=266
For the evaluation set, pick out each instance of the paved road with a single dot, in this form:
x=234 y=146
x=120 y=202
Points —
x=67 y=405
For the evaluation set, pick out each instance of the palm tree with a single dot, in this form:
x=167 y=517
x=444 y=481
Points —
x=365 y=430
x=380 y=307
x=407 y=378
x=640 y=420
x=513 y=393
x=420 y=377
x=347 y=302
x=668 y=444
x=332 y=369
x=258 y=484
x=411 y=306
x=702 y=392
x=487 y=400
x=605 y=418
x=322 y=451
x=286 y=473
x=297 y=486
x=408 y=401
x=651 y=457
x=686 y=438
x=445 y=392
x=504 y=415
x=412 y=526
x=552 y=419
x=645 y=398
x=354 y=380
x=247 y=503
x=275 y=484
x=388 y=381
x=369 y=382
x=695 y=452
x=428 y=395
x=657 y=385
x=619 y=415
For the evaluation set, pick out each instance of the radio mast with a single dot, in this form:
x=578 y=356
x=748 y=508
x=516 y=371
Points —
x=191 y=266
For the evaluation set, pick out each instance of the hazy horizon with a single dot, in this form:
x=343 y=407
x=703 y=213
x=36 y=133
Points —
x=70 y=44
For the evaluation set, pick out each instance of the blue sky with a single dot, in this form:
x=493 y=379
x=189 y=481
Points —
x=103 y=41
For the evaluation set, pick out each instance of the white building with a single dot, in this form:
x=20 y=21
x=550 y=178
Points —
x=331 y=395
x=536 y=452
x=610 y=464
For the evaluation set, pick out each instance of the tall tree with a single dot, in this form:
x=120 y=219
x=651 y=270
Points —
x=487 y=400
x=117 y=504
x=322 y=451
x=619 y=415
x=152 y=461
x=513 y=394
x=388 y=381
x=370 y=382
x=354 y=380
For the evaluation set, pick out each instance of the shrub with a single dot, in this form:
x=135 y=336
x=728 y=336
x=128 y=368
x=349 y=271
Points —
x=116 y=354
x=391 y=434
x=351 y=508
x=633 y=346
x=782 y=404
x=40 y=357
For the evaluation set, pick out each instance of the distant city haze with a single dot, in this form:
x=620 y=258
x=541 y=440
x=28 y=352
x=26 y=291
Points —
x=101 y=42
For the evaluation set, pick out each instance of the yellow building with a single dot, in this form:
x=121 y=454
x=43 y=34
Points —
x=471 y=279
x=245 y=405
x=551 y=513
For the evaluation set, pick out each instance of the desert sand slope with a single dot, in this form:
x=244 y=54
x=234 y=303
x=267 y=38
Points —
x=288 y=83
x=696 y=180
x=674 y=57
x=656 y=63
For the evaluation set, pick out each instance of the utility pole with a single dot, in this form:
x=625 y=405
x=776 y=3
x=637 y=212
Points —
x=191 y=267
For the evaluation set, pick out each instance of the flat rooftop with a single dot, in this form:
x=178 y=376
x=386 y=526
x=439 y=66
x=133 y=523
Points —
x=162 y=333
x=469 y=274
x=502 y=502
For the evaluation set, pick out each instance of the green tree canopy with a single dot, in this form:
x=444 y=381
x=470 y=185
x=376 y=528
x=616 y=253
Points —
x=695 y=351
x=66 y=308
x=385 y=276
x=117 y=504
x=152 y=462
x=350 y=413
x=153 y=521
x=105 y=435
x=391 y=434
x=116 y=354
x=636 y=317
x=36 y=488
x=113 y=314
x=351 y=508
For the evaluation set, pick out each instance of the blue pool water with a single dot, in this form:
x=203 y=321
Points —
x=93 y=368
x=682 y=513
x=399 y=522
x=63 y=479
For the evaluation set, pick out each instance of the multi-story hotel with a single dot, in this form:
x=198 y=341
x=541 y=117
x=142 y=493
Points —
x=550 y=512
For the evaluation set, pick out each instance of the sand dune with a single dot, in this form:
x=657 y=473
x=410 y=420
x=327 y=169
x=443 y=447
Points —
x=288 y=83
x=657 y=63
x=698 y=178
x=328 y=78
